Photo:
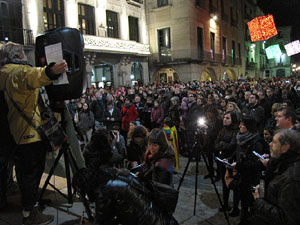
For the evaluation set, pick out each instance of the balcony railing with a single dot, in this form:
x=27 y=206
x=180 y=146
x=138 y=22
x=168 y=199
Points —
x=18 y=35
x=187 y=55
x=251 y=66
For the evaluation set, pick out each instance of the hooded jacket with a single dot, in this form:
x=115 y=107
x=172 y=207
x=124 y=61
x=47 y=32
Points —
x=22 y=83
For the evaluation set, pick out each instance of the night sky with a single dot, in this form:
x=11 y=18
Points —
x=285 y=12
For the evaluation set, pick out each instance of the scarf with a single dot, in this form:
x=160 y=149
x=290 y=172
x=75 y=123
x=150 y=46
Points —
x=242 y=139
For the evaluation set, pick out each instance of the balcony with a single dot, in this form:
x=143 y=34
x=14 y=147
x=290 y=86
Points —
x=112 y=45
x=186 y=56
x=251 y=66
x=18 y=35
x=137 y=3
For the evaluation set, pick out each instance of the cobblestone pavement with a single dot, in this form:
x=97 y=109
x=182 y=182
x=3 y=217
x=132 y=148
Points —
x=207 y=203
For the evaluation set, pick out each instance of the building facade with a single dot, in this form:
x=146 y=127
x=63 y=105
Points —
x=196 y=39
x=114 y=31
x=280 y=64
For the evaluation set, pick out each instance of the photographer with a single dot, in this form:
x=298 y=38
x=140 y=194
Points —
x=20 y=83
x=281 y=204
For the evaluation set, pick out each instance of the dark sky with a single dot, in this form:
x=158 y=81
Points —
x=285 y=12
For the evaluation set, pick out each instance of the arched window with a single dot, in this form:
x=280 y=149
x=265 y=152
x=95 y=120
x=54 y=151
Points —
x=103 y=75
x=137 y=72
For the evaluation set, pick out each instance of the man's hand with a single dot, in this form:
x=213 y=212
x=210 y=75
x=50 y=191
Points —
x=264 y=161
x=256 y=193
x=60 y=67
x=233 y=164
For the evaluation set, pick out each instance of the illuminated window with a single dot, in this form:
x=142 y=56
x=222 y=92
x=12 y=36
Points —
x=233 y=52
x=133 y=28
x=53 y=14
x=164 y=44
x=224 y=49
x=112 y=24
x=86 y=19
x=212 y=46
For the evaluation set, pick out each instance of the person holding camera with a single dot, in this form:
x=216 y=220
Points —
x=280 y=204
x=20 y=83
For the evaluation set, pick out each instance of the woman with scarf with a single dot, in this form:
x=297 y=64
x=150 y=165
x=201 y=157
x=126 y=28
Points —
x=247 y=164
x=158 y=162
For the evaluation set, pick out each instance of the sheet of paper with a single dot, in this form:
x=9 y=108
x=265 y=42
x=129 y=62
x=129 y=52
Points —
x=54 y=54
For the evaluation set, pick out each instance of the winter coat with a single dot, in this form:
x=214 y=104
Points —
x=157 y=115
x=97 y=107
x=129 y=113
x=225 y=143
x=159 y=167
x=247 y=163
x=86 y=121
x=116 y=115
x=174 y=115
x=256 y=112
x=22 y=83
x=281 y=205
x=136 y=152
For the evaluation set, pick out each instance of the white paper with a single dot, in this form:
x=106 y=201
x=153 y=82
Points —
x=54 y=54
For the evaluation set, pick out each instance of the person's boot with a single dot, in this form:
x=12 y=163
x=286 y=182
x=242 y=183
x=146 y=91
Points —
x=37 y=218
x=225 y=208
x=234 y=212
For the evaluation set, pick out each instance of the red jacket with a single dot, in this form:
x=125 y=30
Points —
x=128 y=114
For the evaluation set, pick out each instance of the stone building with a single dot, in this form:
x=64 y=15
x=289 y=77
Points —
x=114 y=31
x=196 y=39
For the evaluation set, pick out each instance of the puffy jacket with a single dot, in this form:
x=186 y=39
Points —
x=121 y=199
x=22 y=83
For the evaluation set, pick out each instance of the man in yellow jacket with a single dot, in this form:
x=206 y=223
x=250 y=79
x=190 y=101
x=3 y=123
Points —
x=21 y=82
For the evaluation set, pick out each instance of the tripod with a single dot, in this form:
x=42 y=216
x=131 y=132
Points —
x=198 y=149
x=69 y=162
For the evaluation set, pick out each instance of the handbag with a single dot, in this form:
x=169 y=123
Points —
x=50 y=132
x=232 y=179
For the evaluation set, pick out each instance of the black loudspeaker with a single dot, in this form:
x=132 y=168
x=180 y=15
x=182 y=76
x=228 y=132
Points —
x=72 y=46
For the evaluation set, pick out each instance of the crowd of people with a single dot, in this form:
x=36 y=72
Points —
x=240 y=117
x=145 y=128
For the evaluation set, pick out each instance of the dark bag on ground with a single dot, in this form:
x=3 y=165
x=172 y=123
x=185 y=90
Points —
x=164 y=196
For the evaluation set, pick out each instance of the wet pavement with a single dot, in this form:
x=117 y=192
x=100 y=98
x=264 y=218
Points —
x=206 y=213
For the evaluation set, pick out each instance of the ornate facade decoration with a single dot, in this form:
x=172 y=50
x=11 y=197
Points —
x=115 y=45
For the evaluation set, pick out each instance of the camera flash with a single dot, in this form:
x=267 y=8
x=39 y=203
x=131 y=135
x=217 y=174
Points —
x=201 y=121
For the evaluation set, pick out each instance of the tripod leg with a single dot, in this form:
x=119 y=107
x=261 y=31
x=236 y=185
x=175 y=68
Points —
x=68 y=175
x=196 y=180
x=185 y=170
x=216 y=190
x=75 y=169
x=50 y=175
